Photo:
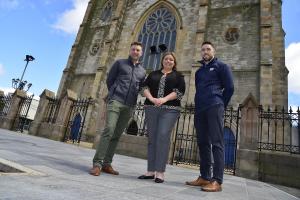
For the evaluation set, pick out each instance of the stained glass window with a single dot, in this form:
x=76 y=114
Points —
x=107 y=11
x=157 y=35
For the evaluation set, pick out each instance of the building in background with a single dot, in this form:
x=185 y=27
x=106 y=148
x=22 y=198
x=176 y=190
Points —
x=248 y=36
x=31 y=113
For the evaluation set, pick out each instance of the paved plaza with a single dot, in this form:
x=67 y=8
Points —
x=56 y=170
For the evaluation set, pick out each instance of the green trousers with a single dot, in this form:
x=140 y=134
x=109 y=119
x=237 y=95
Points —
x=117 y=118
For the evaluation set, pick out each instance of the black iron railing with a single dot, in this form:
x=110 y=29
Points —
x=279 y=130
x=186 y=149
x=76 y=120
x=184 y=144
x=23 y=110
x=52 y=110
x=5 y=103
x=137 y=125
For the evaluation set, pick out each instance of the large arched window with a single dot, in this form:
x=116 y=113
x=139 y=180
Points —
x=157 y=35
x=107 y=11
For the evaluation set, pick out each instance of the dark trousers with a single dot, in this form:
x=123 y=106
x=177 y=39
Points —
x=209 y=128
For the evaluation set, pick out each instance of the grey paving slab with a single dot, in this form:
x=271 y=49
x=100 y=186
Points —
x=63 y=174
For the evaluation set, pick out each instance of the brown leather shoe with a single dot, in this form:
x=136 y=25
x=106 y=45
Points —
x=213 y=186
x=198 y=182
x=95 y=171
x=108 y=169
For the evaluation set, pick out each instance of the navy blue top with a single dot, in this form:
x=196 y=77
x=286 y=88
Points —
x=214 y=85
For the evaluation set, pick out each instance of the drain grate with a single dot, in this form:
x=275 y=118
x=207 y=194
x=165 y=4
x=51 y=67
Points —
x=9 y=167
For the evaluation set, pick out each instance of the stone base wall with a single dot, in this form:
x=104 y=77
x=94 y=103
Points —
x=280 y=168
x=131 y=145
x=6 y=123
x=274 y=167
x=247 y=163
x=51 y=131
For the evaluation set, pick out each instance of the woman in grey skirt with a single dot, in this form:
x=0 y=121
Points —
x=163 y=90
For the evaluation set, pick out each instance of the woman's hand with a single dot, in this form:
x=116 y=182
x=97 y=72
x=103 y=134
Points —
x=162 y=101
x=156 y=101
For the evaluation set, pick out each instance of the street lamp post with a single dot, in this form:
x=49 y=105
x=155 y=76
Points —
x=19 y=83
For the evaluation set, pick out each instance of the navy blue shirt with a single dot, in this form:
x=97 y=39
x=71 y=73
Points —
x=214 y=85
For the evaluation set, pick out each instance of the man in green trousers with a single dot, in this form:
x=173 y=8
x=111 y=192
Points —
x=123 y=83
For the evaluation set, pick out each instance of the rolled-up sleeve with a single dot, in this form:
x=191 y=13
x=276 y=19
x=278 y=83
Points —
x=180 y=87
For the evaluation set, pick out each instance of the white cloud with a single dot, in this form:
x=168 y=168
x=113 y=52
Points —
x=292 y=61
x=1 y=69
x=70 y=20
x=294 y=108
x=7 y=90
x=9 y=4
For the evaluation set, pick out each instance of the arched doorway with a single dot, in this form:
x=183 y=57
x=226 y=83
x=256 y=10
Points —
x=75 y=127
x=230 y=148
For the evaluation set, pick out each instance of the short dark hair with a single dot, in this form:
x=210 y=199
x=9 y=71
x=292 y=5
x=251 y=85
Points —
x=208 y=42
x=136 y=43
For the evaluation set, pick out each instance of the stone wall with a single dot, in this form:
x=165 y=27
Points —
x=256 y=56
x=248 y=37
x=52 y=130
x=280 y=71
x=131 y=145
x=279 y=168
x=240 y=53
x=267 y=166
x=11 y=119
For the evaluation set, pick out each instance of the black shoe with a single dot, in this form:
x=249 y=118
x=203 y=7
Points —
x=146 y=177
x=158 y=180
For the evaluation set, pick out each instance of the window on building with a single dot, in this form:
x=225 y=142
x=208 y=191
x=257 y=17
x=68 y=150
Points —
x=157 y=36
x=107 y=11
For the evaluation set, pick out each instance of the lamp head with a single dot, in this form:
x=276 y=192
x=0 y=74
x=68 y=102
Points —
x=153 y=50
x=29 y=58
x=162 y=47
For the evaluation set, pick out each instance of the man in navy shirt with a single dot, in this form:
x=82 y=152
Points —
x=214 y=88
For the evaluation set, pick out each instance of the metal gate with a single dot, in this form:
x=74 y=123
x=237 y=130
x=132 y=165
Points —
x=23 y=110
x=52 y=110
x=76 y=120
x=186 y=151
x=5 y=103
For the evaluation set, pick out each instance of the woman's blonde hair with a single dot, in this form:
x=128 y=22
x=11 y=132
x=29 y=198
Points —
x=166 y=54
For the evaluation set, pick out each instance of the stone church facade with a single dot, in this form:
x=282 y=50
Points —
x=248 y=36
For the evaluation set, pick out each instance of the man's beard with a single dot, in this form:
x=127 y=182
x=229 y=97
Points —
x=135 y=58
x=207 y=59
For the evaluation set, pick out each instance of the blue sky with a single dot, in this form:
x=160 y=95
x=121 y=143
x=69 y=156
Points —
x=46 y=29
